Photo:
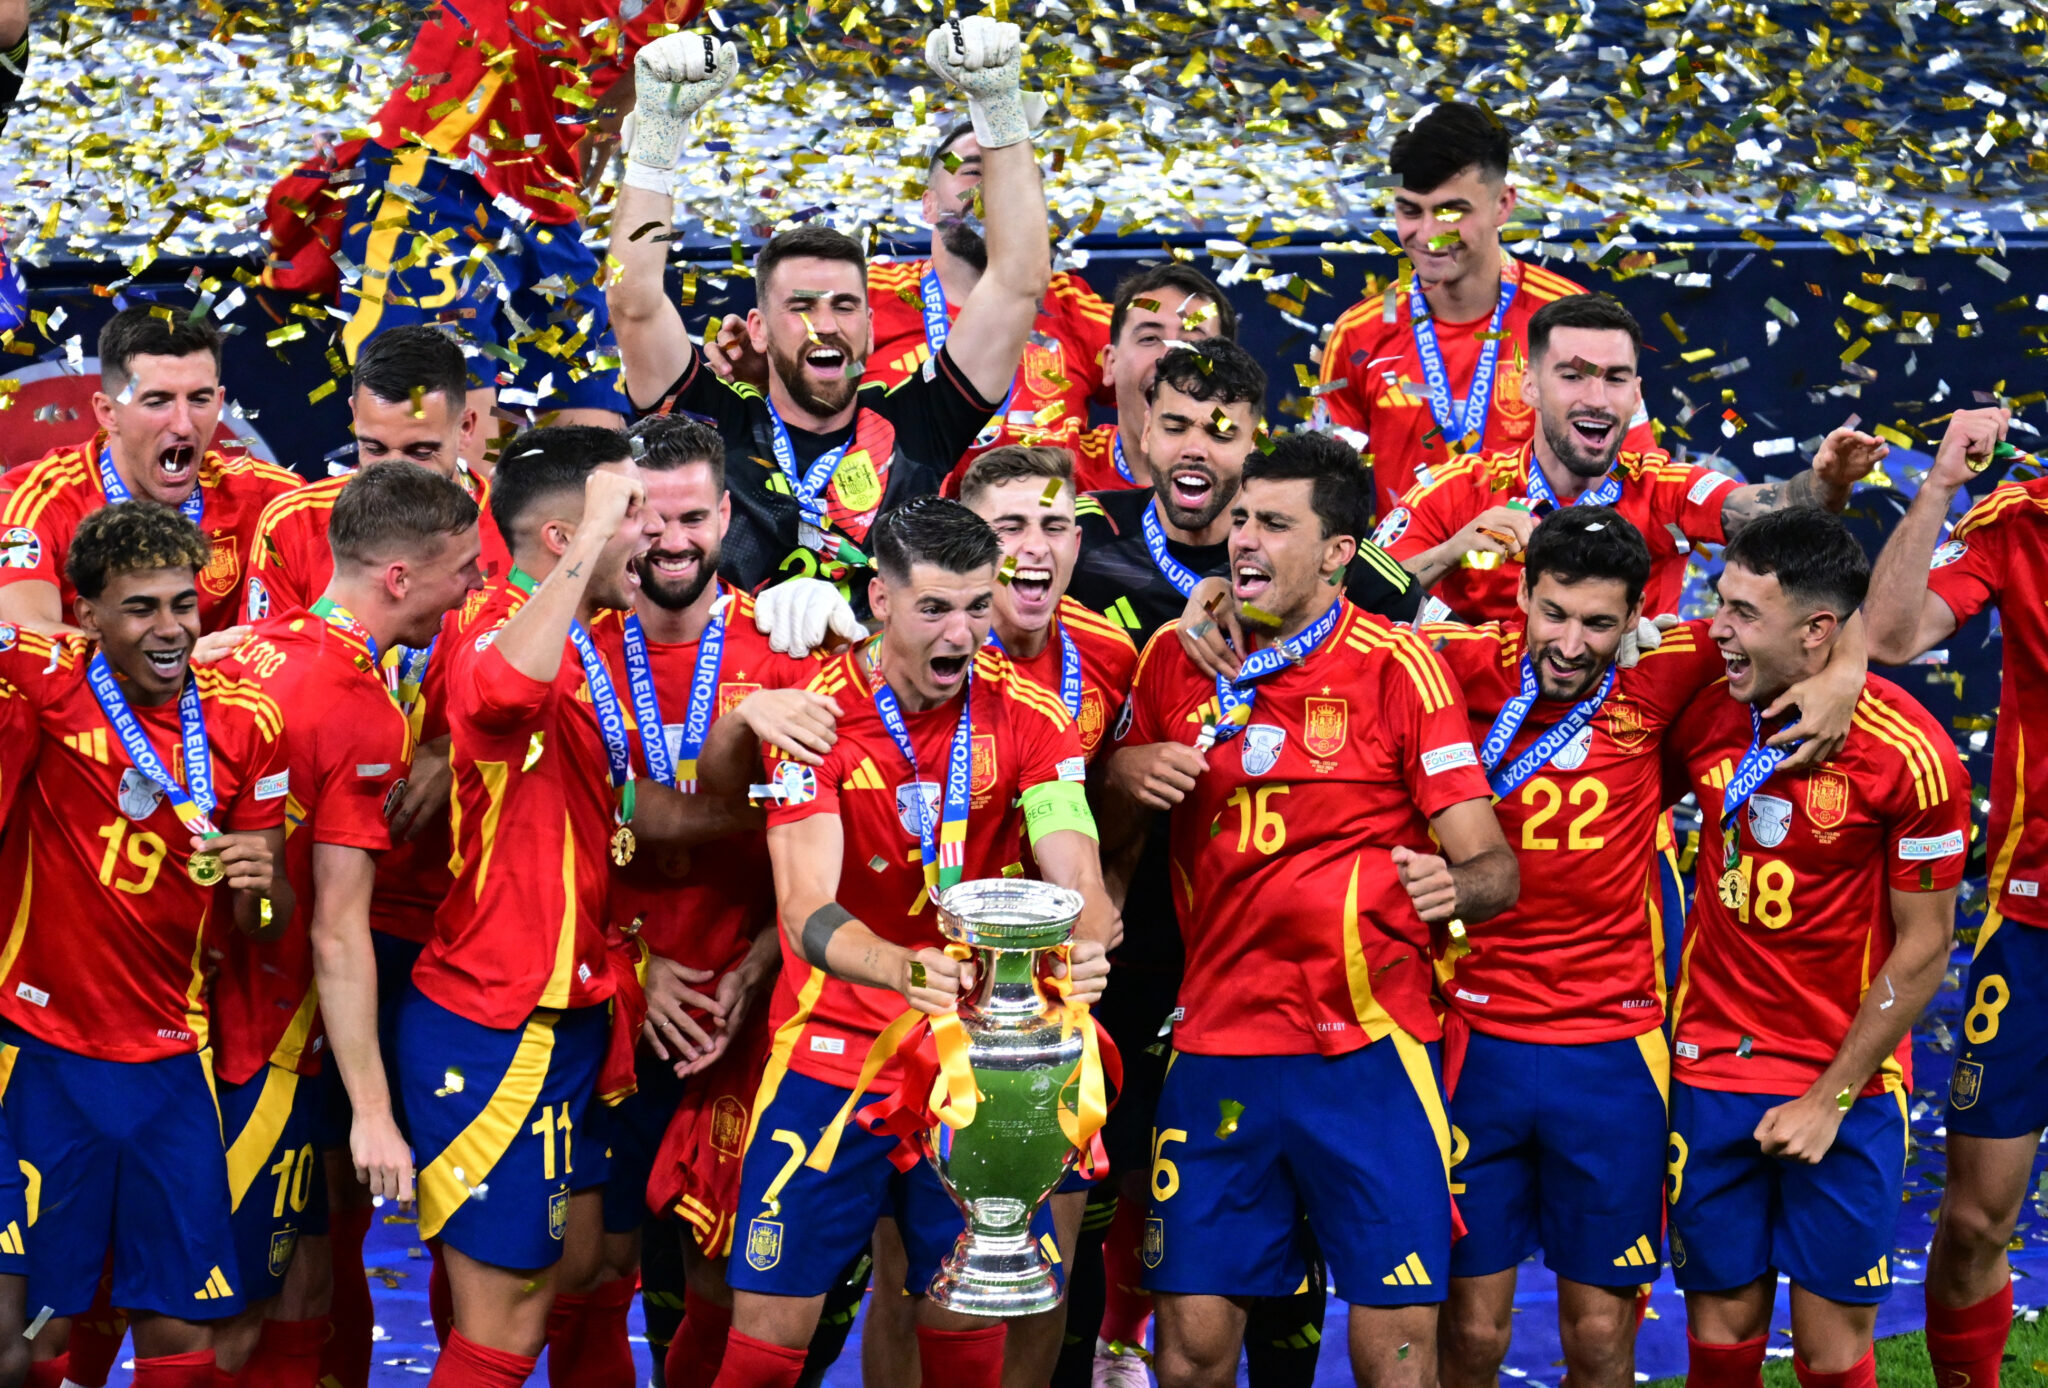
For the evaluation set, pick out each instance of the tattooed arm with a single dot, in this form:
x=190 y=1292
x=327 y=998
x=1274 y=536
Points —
x=1845 y=458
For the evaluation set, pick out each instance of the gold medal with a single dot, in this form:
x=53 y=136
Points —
x=205 y=869
x=623 y=844
x=1734 y=889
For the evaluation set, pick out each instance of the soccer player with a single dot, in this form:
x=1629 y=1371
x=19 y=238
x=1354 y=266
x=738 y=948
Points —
x=1820 y=930
x=1922 y=589
x=1433 y=368
x=405 y=549
x=842 y=454
x=1461 y=528
x=409 y=402
x=944 y=755
x=158 y=407
x=1304 y=1082
x=1558 y=1070
x=157 y=806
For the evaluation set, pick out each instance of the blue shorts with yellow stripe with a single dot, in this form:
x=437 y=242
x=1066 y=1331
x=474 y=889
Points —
x=500 y=1129
x=526 y=297
x=13 y=1204
x=1561 y=1148
x=2000 y=1084
x=124 y=1155
x=1738 y=1215
x=1355 y=1145
x=798 y=1227
x=275 y=1176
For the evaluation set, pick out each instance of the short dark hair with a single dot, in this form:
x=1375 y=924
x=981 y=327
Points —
x=153 y=332
x=811 y=241
x=932 y=530
x=946 y=142
x=1810 y=552
x=1576 y=543
x=541 y=463
x=1600 y=312
x=396 y=508
x=1453 y=137
x=1340 y=493
x=413 y=357
x=1012 y=462
x=665 y=442
x=1172 y=275
x=1215 y=370
x=130 y=536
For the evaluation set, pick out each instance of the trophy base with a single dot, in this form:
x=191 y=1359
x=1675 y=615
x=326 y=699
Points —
x=1002 y=1276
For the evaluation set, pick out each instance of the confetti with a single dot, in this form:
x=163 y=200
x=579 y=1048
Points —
x=1231 y=1110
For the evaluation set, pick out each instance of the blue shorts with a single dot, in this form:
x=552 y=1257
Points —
x=1561 y=1148
x=275 y=1177
x=127 y=1156
x=499 y=1126
x=633 y=1131
x=547 y=346
x=1356 y=1145
x=819 y=1221
x=334 y=1115
x=2000 y=1084
x=14 y=1211
x=1738 y=1215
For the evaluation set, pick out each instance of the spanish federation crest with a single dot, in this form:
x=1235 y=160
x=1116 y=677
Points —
x=1965 y=1084
x=984 y=763
x=1827 y=798
x=1770 y=819
x=1261 y=748
x=223 y=568
x=906 y=804
x=558 y=1215
x=139 y=795
x=1094 y=718
x=1625 y=725
x=282 y=1242
x=1324 y=725
x=855 y=480
x=764 y=1244
x=728 y=1127
x=1155 y=1242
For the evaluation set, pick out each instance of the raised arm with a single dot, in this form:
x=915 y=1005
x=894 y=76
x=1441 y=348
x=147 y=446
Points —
x=1845 y=458
x=1905 y=619
x=531 y=642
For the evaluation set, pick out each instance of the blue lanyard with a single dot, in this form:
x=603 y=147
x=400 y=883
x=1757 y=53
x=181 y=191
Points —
x=1537 y=755
x=938 y=326
x=808 y=487
x=611 y=719
x=192 y=809
x=412 y=672
x=1234 y=697
x=1751 y=772
x=1123 y=469
x=1540 y=493
x=1070 y=668
x=1178 y=574
x=192 y=508
x=682 y=771
x=944 y=854
x=1470 y=423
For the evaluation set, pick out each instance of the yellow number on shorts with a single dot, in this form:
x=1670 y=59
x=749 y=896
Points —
x=145 y=854
x=444 y=277
x=555 y=1119
x=35 y=1191
x=1980 y=1024
x=1259 y=825
x=1674 y=1164
x=1165 y=1175
x=1460 y=1145
x=294 y=1172
x=1553 y=798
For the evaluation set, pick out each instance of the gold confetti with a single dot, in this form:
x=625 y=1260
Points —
x=1231 y=1110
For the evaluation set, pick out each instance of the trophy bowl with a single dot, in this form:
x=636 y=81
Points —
x=1002 y=1166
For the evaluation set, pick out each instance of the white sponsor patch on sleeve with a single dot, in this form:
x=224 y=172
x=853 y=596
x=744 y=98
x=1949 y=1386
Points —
x=1707 y=486
x=1438 y=760
x=1073 y=769
x=2020 y=886
x=270 y=787
x=1940 y=846
x=1687 y=1051
x=828 y=1045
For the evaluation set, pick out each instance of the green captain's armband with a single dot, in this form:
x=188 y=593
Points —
x=1051 y=806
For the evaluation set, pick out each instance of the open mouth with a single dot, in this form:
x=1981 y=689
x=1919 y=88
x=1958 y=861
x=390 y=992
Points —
x=1595 y=431
x=1031 y=585
x=1249 y=581
x=1192 y=488
x=829 y=362
x=673 y=568
x=177 y=464
x=166 y=664
x=1738 y=665
x=1562 y=670
x=948 y=670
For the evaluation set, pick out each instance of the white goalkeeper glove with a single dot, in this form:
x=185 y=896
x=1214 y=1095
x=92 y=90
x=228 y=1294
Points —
x=796 y=615
x=1647 y=636
x=983 y=57
x=674 y=78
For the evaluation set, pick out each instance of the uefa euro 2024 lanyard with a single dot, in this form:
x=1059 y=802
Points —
x=1537 y=755
x=195 y=808
x=1235 y=697
x=681 y=771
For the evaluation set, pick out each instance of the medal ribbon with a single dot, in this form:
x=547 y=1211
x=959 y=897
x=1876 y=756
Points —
x=1751 y=772
x=1540 y=493
x=341 y=619
x=1234 y=697
x=1070 y=668
x=1537 y=755
x=412 y=674
x=946 y=856
x=938 y=326
x=1123 y=469
x=192 y=508
x=680 y=772
x=194 y=810
x=1470 y=423
x=808 y=487
x=1178 y=574
x=611 y=721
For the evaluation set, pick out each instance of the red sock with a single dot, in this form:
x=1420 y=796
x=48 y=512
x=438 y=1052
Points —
x=49 y=1373
x=466 y=1364
x=1126 y=1306
x=440 y=1300
x=95 y=1341
x=288 y=1355
x=1967 y=1345
x=346 y=1356
x=699 y=1346
x=194 y=1370
x=962 y=1358
x=587 y=1342
x=223 y=1379
x=1862 y=1375
x=752 y=1363
x=1725 y=1366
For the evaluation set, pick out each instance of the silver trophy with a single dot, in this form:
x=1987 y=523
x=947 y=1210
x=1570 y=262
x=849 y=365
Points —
x=1001 y=1167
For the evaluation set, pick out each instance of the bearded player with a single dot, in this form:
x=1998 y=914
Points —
x=1308 y=797
x=1557 y=1066
x=158 y=799
x=1820 y=931
x=1922 y=591
x=157 y=409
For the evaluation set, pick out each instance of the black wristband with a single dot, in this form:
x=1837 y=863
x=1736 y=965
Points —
x=823 y=924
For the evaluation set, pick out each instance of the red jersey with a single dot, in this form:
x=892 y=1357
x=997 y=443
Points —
x=702 y=907
x=1095 y=463
x=503 y=87
x=522 y=929
x=1656 y=495
x=1108 y=660
x=413 y=878
x=1579 y=957
x=1998 y=554
x=1767 y=987
x=291 y=564
x=349 y=751
x=1376 y=383
x=53 y=494
x=1300 y=938
x=1022 y=738
x=106 y=952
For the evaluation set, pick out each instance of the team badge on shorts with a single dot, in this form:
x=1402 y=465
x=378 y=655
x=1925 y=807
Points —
x=728 y=1126
x=1677 y=1250
x=1154 y=1248
x=558 y=1214
x=139 y=795
x=1262 y=744
x=281 y=1245
x=764 y=1244
x=1770 y=819
x=1965 y=1084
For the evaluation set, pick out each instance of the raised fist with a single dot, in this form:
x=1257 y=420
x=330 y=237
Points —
x=674 y=77
x=983 y=57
